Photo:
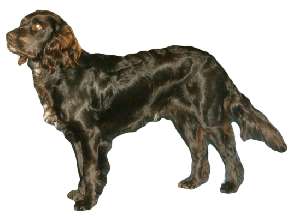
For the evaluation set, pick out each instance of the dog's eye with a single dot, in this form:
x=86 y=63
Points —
x=37 y=27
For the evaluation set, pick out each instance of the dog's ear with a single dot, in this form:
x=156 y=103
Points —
x=63 y=49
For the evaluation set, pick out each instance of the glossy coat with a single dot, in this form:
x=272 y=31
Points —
x=92 y=98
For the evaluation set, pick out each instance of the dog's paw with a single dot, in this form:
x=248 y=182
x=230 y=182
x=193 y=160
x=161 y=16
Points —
x=229 y=187
x=83 y=205
x=190 y=183
x=75 y=195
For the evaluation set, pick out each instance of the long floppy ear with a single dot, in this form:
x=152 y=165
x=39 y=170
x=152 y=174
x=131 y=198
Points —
x=63 y=50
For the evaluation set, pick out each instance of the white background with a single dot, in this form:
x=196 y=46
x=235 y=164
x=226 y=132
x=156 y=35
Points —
x=257 y=42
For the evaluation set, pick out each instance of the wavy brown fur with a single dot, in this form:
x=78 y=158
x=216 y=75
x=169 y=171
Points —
x=63 y=49
x=94 y=98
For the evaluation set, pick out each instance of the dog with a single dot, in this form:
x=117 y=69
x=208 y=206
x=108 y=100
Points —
x=92 y=98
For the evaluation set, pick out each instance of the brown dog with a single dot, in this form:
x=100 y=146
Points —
x=92 y=98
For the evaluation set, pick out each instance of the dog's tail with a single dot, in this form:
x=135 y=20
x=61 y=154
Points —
x=253 y=124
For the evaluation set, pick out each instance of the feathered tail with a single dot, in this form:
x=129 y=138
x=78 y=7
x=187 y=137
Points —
x=253 y=124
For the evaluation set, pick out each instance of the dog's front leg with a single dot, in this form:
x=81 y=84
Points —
x=77 y=194
x=95 y=169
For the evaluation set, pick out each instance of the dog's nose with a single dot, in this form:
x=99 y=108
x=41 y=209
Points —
x=10 y=36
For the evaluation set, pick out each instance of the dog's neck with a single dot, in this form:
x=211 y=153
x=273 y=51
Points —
x=40 y=77
x=40 y=74
x=35 y=64
x=36 y=67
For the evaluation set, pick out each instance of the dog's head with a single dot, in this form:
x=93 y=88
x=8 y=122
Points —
x=45 y=36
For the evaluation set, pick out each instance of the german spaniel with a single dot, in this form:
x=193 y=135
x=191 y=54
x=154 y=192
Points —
x=92 y=98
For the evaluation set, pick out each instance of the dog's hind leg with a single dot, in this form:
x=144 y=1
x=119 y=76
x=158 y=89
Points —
x=193 y=136
x=223 y=140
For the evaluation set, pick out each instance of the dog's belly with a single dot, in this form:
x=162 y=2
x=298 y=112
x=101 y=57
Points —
x=114 y=122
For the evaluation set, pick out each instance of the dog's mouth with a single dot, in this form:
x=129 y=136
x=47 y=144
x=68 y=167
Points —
x=23 y=56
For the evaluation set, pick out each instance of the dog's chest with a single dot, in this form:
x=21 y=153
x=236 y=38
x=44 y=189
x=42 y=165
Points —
x=38 y=75
x=39 y=80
